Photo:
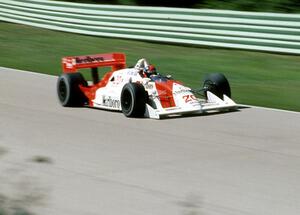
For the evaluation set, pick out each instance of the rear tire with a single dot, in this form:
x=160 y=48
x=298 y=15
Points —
x=218 y=84
x=133 y=100
x=68 y=91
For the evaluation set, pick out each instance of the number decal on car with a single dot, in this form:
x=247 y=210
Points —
x=189 y=98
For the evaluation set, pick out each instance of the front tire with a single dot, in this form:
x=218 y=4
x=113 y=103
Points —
x=218 y=84
x=133 y=100
x=68 y=91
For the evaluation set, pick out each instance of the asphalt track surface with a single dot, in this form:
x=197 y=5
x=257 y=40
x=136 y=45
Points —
x=81 y=161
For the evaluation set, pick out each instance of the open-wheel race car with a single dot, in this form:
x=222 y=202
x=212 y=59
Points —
x=139 y=91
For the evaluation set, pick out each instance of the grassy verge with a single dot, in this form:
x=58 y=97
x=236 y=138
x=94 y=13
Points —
x=263 y=79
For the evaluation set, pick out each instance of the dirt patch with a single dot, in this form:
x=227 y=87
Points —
x=192 y=205
x=12 y=207
x=3 y=151
x=19 y=194
x=41 y=159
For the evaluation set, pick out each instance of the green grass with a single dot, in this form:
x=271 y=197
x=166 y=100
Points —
x=263 y=79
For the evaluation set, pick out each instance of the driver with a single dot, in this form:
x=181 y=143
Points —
x=149 y=70
x=145 y=69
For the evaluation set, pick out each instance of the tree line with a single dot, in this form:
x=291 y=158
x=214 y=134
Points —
x=286 y=6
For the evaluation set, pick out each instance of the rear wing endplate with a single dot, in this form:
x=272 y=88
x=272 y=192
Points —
x=115 y=60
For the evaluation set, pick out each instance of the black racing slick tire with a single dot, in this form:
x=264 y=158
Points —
x=133 y=100
x=218 y=84
x=68 y=91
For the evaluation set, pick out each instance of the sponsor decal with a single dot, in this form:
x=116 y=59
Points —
x=89 y=59
x=182 y=91
x=149 y=86
x=132 y=73
x=69 y=63
x=109 y=102
x=117 y=80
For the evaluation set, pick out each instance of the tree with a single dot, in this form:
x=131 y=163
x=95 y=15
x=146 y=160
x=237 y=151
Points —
x=169 y=3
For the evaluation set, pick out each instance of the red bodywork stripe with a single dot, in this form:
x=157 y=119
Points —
x=90 y=91
x=165 y=93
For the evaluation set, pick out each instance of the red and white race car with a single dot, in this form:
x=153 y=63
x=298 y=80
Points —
x=138 y=91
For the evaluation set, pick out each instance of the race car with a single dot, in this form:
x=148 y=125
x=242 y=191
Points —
x=139 y=91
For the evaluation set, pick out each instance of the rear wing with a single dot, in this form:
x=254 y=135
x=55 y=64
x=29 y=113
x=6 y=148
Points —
x=115 y=60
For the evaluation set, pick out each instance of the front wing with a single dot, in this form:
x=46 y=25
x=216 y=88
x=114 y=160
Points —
x=213 y=103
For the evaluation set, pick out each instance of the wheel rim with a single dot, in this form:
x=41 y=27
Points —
x=126 y=101
x=62 y=90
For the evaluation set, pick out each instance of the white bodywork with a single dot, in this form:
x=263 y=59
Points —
x=109 y=97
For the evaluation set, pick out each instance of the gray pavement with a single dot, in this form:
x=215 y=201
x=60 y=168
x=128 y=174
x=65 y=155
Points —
x=83 y=161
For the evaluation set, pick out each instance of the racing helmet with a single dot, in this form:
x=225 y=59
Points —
x=150 y=70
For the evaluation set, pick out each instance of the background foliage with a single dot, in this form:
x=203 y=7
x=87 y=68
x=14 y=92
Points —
x=286 y=6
